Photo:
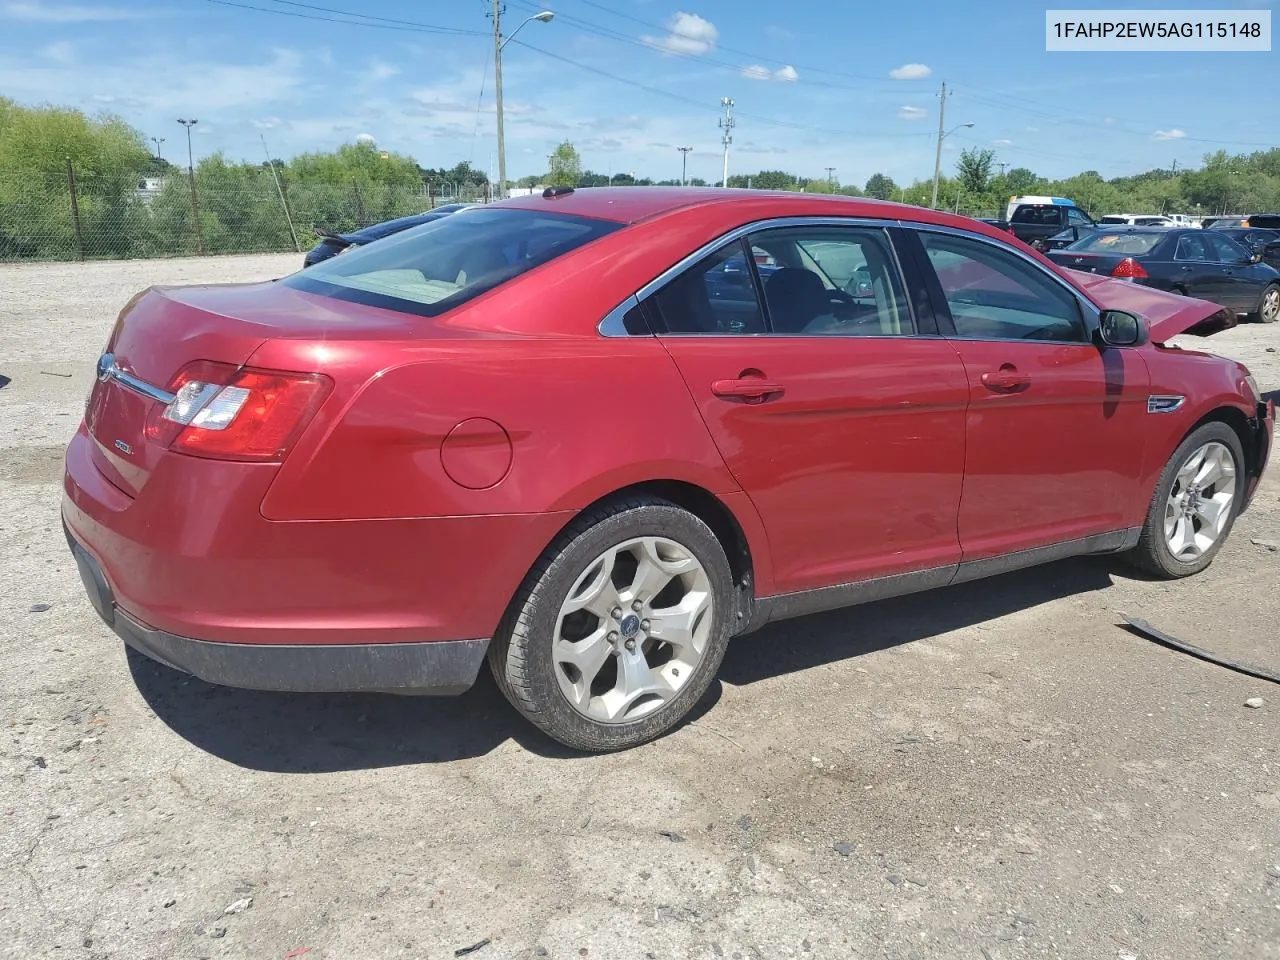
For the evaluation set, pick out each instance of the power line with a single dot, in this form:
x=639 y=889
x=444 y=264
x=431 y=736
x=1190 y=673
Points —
x=393 y=25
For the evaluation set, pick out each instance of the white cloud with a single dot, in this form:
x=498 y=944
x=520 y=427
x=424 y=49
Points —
x=779 y=33
x=687 y=33
x=205 y=128
x=1109 y=120
x=912 y=113
x=368 y=138
x=1002 y=143
x=61 y=52
x=269 y=123
x=1033 y=129
x=787 y=74
x=381 y=70
x=1174 y=134
x=910 y=71
x=38 y=11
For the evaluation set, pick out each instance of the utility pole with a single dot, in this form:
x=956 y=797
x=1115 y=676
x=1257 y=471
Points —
x=191 y=174
x=726 y=124
x=1002 y=164
x=937 y=158
x=1175 y=167
x=157 y=141
x=831 y=180
x=684 y=165
x=497 y=93
x=498 y=43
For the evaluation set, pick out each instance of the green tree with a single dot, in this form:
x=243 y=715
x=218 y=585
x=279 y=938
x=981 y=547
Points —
x=1021 y=182
x=566 y=166
x=881 y=187
x=974 y=168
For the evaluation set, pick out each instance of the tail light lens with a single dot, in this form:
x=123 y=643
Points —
x=230 y=413
x=1129 y=269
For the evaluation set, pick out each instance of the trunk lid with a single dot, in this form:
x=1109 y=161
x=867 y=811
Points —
x=1097 y=263
x=164 y=329
x=1167 y=314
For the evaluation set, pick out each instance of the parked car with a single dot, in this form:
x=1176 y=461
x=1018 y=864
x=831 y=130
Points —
x=1265 y=243
x=997 y=223
x=1194 y=263
x=331 y=244
x=1033 y=220
x=1269 y=221
x=530 y=433
x=1137 y=220
x=1065 y=238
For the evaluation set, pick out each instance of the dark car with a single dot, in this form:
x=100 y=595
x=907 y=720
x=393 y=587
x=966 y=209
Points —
x=1195 y=263
x=331 y=243
x=1265 y=243
x=1065 y=238
x=1266 y=221
x=1035 y=223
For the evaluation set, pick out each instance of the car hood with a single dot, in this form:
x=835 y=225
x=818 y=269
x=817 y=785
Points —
x=1167 y=314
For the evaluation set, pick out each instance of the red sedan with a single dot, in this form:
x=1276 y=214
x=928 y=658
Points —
x=593 y=435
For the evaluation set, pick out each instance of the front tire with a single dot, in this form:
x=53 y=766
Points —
x=1269 y=306
x=619 y=628
x=1195 y=504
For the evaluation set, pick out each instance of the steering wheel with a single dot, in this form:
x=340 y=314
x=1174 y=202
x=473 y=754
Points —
x=847 y=309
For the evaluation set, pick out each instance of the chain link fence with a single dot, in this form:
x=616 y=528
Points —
x=91 y=216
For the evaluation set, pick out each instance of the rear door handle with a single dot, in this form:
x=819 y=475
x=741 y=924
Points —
x=747 y=388
x=1005 y=380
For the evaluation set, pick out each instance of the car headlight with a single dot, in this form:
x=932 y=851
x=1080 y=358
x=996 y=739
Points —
x=347 y=249
x=1252 y=384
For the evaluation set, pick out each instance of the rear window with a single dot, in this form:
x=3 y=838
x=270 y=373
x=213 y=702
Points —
x=439 y=265
x=1048 y=215
x=1124 y=244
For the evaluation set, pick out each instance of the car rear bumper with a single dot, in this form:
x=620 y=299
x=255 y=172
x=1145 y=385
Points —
x=441 y=667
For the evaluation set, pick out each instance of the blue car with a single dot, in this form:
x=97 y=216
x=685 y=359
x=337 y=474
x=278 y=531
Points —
x=332 y=243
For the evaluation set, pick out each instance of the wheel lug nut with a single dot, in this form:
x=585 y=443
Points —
x=631 y=646
x=617 y=613
x=644 y=624
x=635 y=605
x=613 y=636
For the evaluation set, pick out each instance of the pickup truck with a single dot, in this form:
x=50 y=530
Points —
x=1033 y=220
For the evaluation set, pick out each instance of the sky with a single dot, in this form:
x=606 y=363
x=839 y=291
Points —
x=850 y=86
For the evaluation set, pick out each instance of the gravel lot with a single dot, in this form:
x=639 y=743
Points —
x=992 y=771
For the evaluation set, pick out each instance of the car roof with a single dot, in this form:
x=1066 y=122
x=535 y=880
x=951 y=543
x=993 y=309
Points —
x=632 y=204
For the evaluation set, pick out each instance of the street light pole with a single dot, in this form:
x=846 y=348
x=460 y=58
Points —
x=498 y=43
x=157 y=141
x=684 y=165
x=726 y=124
x=191 y=174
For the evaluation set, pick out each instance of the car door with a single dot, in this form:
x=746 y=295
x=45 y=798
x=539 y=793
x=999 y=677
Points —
x=1242 y=281
x=1055 y=426
x=836 y=408
x=1196 y=268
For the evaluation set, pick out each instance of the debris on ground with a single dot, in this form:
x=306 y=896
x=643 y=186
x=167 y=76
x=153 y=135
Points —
x=671 y=835
x=844 y=847
x=39 y=607
x=1165 y=640
x=1271 y=545
x=1254 y=702
x=463 y=951
x=240 y=906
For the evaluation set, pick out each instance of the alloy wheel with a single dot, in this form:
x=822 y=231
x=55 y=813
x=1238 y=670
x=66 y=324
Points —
x=633 y=629
x=1199 y=504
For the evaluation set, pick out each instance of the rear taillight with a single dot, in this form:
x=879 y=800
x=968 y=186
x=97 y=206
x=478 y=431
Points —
x=1129 y=269
x=230 y=413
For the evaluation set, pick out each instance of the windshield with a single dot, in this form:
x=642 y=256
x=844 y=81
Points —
x=1124 y=244
x=437 y=266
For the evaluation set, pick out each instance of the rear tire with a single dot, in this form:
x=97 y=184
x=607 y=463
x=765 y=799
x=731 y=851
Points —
x=1194 y=506
x=1269 y=306
x=620 y=627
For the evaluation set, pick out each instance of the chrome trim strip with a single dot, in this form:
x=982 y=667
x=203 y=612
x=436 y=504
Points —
x=108 y=369
x=1164 y=403
x=612 y=325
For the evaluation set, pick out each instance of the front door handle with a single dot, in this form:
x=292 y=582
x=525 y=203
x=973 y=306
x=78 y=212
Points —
x=753 y=389
x=1005 y=380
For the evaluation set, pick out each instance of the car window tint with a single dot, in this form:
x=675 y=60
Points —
x=1227 y=249
x=436 y=266
x=994 y=294
x=1126 y=242
x=1193 y=246
x=832 y=281
x=1076 y=218
x=716 y=296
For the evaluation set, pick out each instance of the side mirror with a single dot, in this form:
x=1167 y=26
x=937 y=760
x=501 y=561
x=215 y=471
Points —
x=1255 y=257
x=1121 y=329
